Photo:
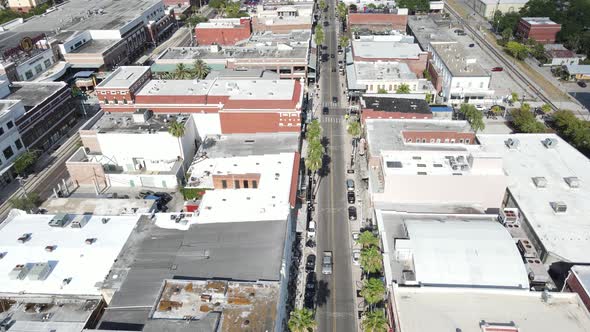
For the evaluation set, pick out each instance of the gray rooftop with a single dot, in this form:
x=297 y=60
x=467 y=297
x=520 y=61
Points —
x=123 y=77
x=386 y=134
x=292 y=38
x=33 y=93
x=251 y=52
x=242 y=74
x=238 y=145
x=96 y=46
x=430 y=28
x=386 y=71
x=385 y=49
x=458 y=60
x=124 y=122
x=538 y=20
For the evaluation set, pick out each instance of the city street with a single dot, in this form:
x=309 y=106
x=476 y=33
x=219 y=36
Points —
x=335 y=296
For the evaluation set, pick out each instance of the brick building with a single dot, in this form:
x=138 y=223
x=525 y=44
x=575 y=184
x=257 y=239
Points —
x=24 y=6
x=224 y=106
x=377 y=21
x=224 y=31
x=541 y=29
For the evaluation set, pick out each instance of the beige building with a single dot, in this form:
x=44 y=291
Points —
x=486 y=8
x=24 y=5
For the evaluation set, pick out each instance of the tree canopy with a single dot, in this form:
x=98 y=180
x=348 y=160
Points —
x=319 y=35
x=576 y=131
x=403 y=88
x=525 y=122
x=301 y=320
x=473 y=116
x=414 y=5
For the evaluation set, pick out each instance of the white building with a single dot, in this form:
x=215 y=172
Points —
x=375 y=77
x=487 y=8
x=464 y=80
x=11 y=144
x=549 y=184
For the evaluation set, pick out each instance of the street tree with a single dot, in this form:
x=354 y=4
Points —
x=374 y=321
x=496 y=110
x=367 y=239
x=506 y=35
x=200 y=69
x=525 y=122
x=26 y=202
x=403 y=88
x=314 y=130
x=514 y=97
x=371 y=260
x=517 y=50
x=24 y=162
x=354 y=127
x=301 y=320
x=575 y=130
x=381 y=91
x=323 y=5
x=473 y=116
x=373 y=291
x=343 y=41
x=353 y=8
x=319 y=35
x=177 y=130
x=546 y=108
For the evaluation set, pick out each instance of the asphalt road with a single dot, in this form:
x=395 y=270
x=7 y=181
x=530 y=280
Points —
x=335 y=298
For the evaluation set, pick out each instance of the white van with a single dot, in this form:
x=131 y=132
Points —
x=311 y=229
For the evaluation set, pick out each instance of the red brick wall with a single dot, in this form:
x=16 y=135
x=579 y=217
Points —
x=393 y=21
x=372 y=114
x=222 y=36
x=543 y=33
x=231 y=178
x=442 y=135
x=258 y=25
x=294 y=179
x=170 y=99
x=436 y=80
x=242 y=122
x=573 y=284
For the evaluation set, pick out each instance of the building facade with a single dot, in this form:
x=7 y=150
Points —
x=226 y=31
x=541 y=29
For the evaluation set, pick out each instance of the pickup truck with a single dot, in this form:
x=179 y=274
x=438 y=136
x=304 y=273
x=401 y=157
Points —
x=327 y=262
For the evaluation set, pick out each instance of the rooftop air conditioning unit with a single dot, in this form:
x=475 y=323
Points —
x=39 y=271
x=559 y=207
x=509 y=216
x=59 y=220
x=540 y=182
x=572 y=181
x=512 y=143
x=550 y=143
x=526 y=249
x=19 y=272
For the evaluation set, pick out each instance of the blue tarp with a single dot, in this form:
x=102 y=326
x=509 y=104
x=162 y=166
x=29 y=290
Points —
x=441 y=109
x=152 y=197
x=84 y=74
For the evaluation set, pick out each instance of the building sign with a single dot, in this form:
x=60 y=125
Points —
x=26 y=44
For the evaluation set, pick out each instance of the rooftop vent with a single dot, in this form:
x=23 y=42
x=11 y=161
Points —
x=59 y=220
x=24 y=238
x=550 y=143
x=540 y=182
x=90 y=240
x=39 y=271
x=512 y=143
x=558 y=207
x=19 y=272
x=572 y=181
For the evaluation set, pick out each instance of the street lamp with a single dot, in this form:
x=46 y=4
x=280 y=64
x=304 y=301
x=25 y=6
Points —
x=21 y=182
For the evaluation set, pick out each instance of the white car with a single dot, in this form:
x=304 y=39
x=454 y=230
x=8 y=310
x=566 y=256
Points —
x=480 y=108
x=356 y=236
x=356 y=256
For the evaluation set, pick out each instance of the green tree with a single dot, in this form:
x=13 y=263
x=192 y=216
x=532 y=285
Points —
x=546 y=108
x=426 y=74
x=506 y=35
x=524 y=120
x=319 y=35
x=323 y=5
x=26 y=203
x=217 y=4
x=200 y=69
x=508 y=21
x=24 y=162
x=381 y=91
x=343 y=41
x=514 y=97
x=373 y=291
x=403 y=88
x=314 y=130
x=301 y=320
x=537 y=50
x=414 y=5
x=196 y=19
x=473 y=116
x=177 y=130
x=367 y=239
x=496 y=110
x=375 y=321
x=371 y=260
x=354 y=127
x=353 y=8
x=342 y=11
x=574 y=130
x=182 y=72
x=517 y=50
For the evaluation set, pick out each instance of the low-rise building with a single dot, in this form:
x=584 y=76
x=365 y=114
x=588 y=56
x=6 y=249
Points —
x=577 y=72
x=578 y=281
x=540 y=29
x=390 y=107
x=463 y=79
x=283 y=17
x=394 y=48
x=24 y=6
x=223 y=31
x=384 y=77
x=487 y=8
x=558 y=55
x=378 y=22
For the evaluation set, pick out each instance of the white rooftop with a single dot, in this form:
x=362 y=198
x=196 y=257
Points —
x=538 y=20
x=86 y=264
x=261 y=89
x=385 y=71
x=123 y=77
x=460 y=253
x=566 y=235
x=420 y=310
x=269 y=201
x=440 y=163
x=378 y=49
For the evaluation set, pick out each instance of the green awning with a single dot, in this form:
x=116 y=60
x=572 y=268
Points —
x=170 y=67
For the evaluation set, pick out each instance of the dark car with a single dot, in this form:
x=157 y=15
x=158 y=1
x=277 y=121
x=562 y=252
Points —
x=332 y=56
x=145 y=193
x=310 y=263
x=164 y=197
x=351 y=213
x=582 y=84
x=350 y=196
x=326 y=23
x=471 y=45
x=325 y=110
x=334 y=100
x=497 y=69
x=310 y=282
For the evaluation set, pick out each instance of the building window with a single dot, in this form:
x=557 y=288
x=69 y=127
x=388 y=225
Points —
x=115 y=101
x=106 y=101
x=124 y=101
x=224 y=184
x=446 y=140
x=432 y=140
x=438 y=140
x=245 y=184
x=29 y=74
x=1 y=130
x=103 y=92
x=408 y=140
x=453 y=140
x=8 y=153
x=461 y=141
x=47 y=63
x=18 y=144
x=467 y=141
x=38 y=68
x=254 y=184
x=421 y=165
x=481 y=85
x=9 y=124
x=424 y=140
x=236 y=184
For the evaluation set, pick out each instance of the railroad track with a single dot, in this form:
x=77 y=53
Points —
x=507 y=64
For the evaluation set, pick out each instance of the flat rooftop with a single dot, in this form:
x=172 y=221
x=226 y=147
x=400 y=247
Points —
x=269 y=201
x=447 y=250
x=96 y=46
x=234 y=52
x=386 y=134
x=125 y=123
x=83 y=265
x=392 y=104
x=34 y=93
x=291 y=38
x=244 y=145
x=260 y=89
x=385 y=49
x=436 y=163
x=99 y=206
x=382 y=71
x=458 y=60
x=564 y=235
x=538 y=20
x=463 y=310
x=431 y=28
x=123 y=77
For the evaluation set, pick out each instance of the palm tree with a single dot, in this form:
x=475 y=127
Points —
x=371 y=260
x=546 y=108
x=301 y=320
x=181 y=72
x=343 y=41
x=200 y=69
x=177 y=130
x=403 y=88
x=319 y=35
x=367 y=239
x=354 y=128
x=375 y=321
x=373 y=291
x=314 y=130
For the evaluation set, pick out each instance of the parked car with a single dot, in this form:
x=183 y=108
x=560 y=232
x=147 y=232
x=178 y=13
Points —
x=351 y=213
x=144 y=193
x=582 y=84
x=472 y=45
x=480 y=108
x=164 y=197
x=310 y=282
x=497 y=69
x=310 y=263
x=326 y=23
x=311 y=229
x=350 y=185
x=350 y=196
x=356 y=236
x=356 y=256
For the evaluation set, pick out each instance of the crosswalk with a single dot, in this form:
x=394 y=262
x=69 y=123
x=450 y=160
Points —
x=332 y=119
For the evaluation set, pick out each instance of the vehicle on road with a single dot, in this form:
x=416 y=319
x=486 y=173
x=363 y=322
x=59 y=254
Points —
x=334 y=100
x=350 y=184
x=356 y=256
x=311 y=229
x=325 y=110
x=480 y=108
x=356 y=236
x=350 y=196
x=310 y=283
x=582 y=84
x=497 y=69
x=332 y=55
x=310 y=263
x=351 y=213
x=472 y=45
x=327 y=262
x=326 y=23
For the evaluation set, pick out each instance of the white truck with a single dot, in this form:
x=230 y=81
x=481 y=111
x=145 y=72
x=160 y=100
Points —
x=327 y=262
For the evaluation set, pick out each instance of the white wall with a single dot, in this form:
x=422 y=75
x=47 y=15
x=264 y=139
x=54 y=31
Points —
x=167 y=181
x=207 y=124
x=31 y=65
x=158 y=146
x=81 y=38
x=10 y=135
